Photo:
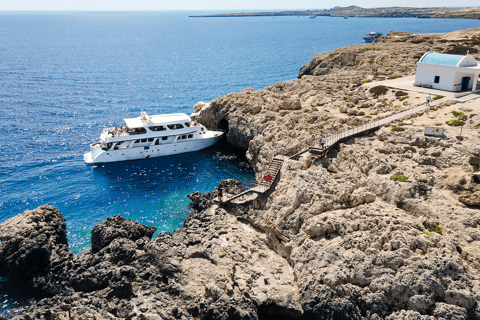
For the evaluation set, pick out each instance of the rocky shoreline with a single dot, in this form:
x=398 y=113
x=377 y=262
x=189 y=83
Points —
x=354 y=11
x=387 y=226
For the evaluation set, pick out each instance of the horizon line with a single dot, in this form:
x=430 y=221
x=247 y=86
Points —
x=230 y=10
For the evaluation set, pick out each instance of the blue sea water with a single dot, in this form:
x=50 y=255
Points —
x=64 y=76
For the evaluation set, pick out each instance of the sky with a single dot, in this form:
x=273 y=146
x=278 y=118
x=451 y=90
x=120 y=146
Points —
x=222 y=5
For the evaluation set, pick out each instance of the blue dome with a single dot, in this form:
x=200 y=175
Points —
x=444 y=59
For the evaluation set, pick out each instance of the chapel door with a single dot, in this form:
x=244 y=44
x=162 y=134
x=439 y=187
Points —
x=465 y=82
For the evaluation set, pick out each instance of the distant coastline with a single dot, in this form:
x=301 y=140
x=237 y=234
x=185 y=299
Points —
x=354 y=11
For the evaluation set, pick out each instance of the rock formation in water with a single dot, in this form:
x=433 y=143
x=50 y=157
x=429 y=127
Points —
x=386 y=226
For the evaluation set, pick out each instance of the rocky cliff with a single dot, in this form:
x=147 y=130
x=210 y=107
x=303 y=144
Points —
x=386 y=226
x=354 y=11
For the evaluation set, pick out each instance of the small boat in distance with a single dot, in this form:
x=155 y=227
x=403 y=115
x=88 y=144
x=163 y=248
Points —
x=150 y=136
x=371 y=36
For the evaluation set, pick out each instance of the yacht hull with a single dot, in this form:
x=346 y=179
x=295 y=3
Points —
x=152 y=151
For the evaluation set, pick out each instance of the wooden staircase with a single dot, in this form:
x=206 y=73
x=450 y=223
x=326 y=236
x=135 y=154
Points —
x=267 y=181
x=328 y=143
x=331 y=141
x=272 y=172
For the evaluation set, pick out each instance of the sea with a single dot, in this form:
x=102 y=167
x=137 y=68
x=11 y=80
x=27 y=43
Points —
x=64 y=76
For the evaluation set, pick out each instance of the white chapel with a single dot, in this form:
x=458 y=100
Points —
x=448 y=72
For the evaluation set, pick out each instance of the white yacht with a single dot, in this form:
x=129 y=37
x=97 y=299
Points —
x=150 y=136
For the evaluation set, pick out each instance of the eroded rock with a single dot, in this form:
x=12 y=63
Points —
x=118 y=227
x=30 y=241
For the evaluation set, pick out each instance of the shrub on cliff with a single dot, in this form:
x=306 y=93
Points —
x=454 y=123
x=475 y=162
x=400 y=94
x=458 y=114
x=378 y=90
x=398 y=129
x=397 y=177
x=418 y=145
x=436 y=228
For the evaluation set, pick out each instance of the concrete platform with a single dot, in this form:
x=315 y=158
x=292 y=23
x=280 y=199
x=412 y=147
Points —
x=406 y=84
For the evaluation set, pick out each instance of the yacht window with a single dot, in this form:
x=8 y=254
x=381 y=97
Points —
x=190 y=136
x=137 y=141
x=137 y=131
x=187 y=124
x=157 y=128
x=164 y=138
x=184 y=137
x=157 y=142
x=150 y=139
x=175 y=126
x=144 y=140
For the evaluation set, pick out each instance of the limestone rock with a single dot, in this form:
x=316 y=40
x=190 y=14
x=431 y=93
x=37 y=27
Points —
x=360 y=196
x=199 y=106
x=445 y=311
x=408 y=315
x=290 y=104
x=203 y=201
x=352 y=111
x=29 y=241
x=472 y=199
x=461 y=298
x=332 y=168
x=118 y=227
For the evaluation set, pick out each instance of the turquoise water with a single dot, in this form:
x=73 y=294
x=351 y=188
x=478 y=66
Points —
x=64 y=76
